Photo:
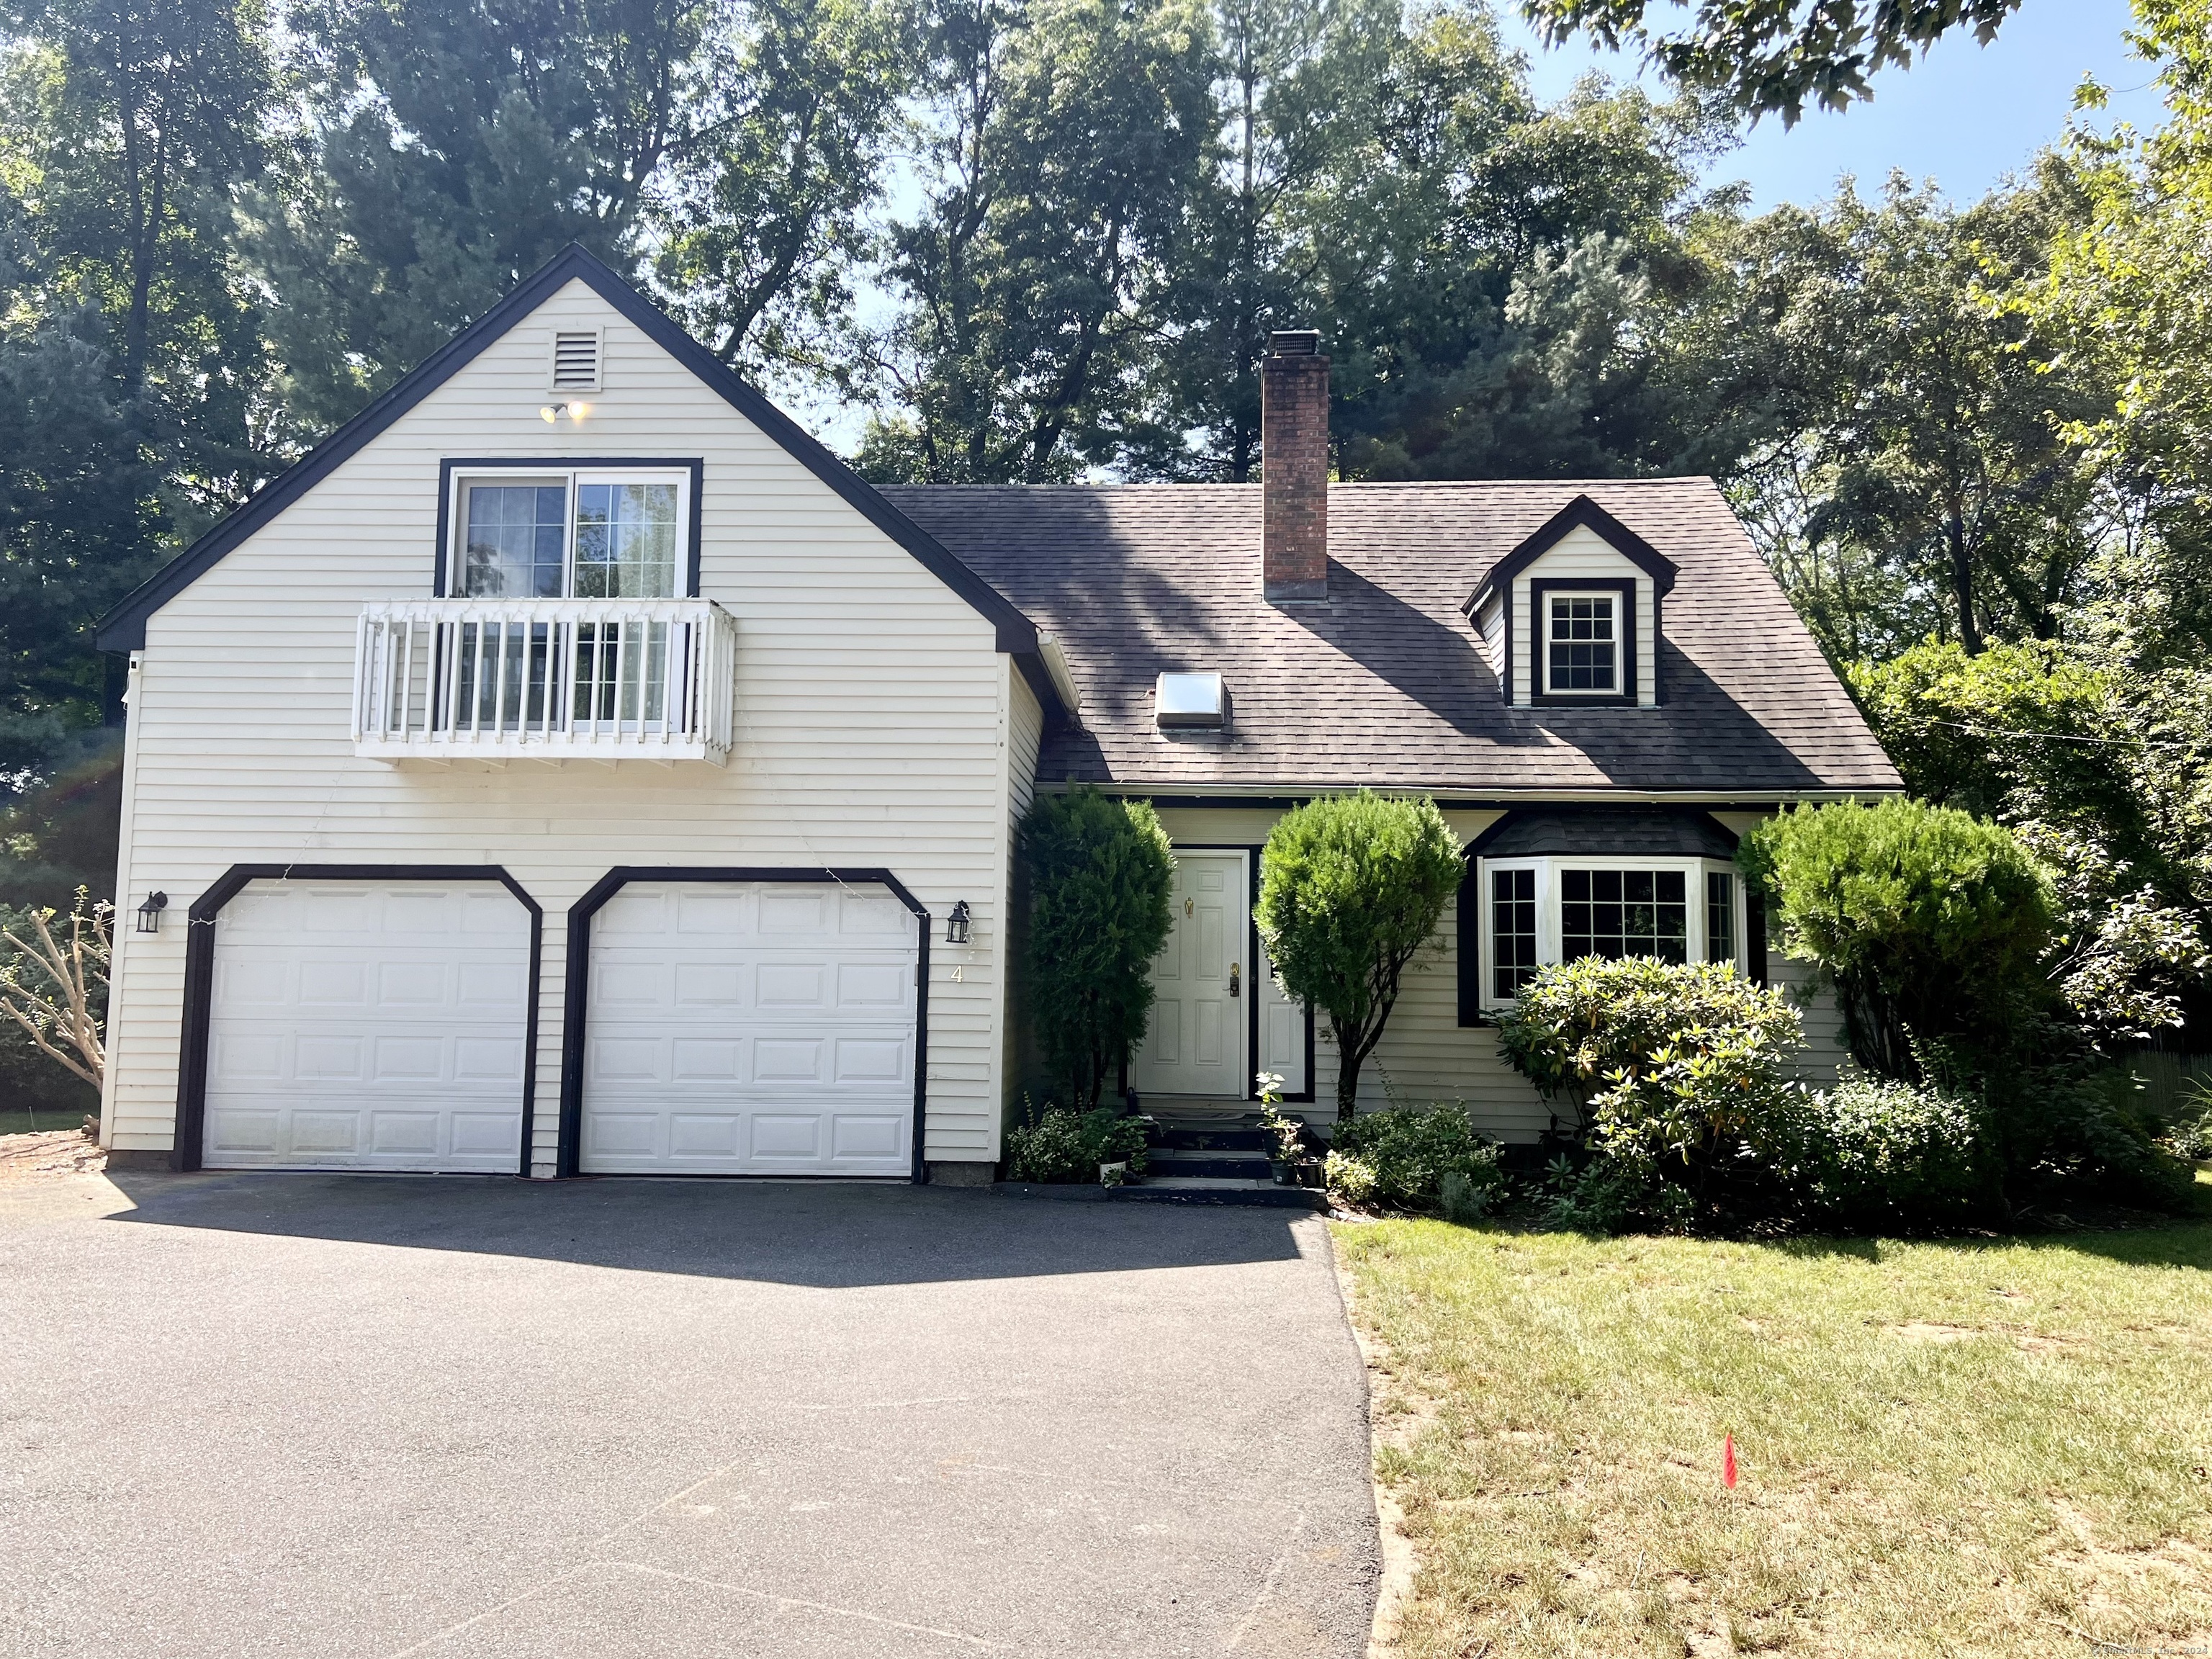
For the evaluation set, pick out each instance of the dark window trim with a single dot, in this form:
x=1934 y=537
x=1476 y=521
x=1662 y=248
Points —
x=568 y=1156
x=1539 y=640
x=442 y=561
x=187 y=1151
x=1252 y=955
x=1470 y=943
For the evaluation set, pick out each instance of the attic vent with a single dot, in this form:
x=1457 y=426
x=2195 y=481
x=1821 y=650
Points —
x=576 y=362
x=1185 y=700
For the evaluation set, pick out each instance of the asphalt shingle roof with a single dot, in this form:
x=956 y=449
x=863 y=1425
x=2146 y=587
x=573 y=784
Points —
x=1386 y=684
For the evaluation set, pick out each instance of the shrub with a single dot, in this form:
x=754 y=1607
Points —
x=1351 y=1181
x=2189 y=1134
x=1401 y=1157
x=1886 y=1153
x=1933 y=924
x=1680 y=1067
x=1060 y=1146
x=1351 y=888
x=1098 y=873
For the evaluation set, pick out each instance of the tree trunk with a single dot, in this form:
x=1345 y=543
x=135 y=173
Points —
x=1349 y=1058
x=1962 y=582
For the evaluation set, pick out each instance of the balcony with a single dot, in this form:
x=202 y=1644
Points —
x=503 y=680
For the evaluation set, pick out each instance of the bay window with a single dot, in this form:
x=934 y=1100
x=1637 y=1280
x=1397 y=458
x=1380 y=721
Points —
x=1542 y=910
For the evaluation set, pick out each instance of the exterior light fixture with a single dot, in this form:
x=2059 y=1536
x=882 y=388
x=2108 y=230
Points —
x=552 y=413
x=956 y=924
x=149 y=913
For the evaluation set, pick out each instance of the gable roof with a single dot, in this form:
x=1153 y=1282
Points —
x=1386 y=684
x=123 y=628
x=1580 y=514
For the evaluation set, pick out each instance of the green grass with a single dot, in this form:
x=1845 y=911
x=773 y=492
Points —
x=1983 y=1449
x=14 y=1121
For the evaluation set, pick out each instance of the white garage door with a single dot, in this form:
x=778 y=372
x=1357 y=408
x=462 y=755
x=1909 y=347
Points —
x=366 y=1025
x=750 y=1027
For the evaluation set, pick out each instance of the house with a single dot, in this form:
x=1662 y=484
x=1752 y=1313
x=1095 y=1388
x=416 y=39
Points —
x=570 y=767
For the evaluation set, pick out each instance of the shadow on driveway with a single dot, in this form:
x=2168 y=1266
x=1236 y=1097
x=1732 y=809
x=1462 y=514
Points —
x=829 y=1235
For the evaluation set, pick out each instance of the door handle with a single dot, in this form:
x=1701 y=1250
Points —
x=1236 y=980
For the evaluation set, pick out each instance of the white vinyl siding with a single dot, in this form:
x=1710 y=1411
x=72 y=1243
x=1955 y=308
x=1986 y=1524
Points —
x=1491 y=624
x=1582 y=554
x=871 y=725
x=1025 y=740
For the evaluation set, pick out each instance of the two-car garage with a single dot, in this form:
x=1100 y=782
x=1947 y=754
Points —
x=761 y=1024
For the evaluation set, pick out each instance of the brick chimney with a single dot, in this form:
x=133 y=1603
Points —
x=1294 y=467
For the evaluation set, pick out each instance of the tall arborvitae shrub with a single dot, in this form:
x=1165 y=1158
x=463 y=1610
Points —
x=1098 y=872
x=1351 y=889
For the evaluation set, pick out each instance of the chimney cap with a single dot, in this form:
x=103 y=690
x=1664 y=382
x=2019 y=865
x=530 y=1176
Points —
x=1294 y=343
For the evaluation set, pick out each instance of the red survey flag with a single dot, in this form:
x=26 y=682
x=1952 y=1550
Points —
x=1728 y=1462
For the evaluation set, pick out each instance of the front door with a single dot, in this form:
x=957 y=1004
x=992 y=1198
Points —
x=1195 y=1044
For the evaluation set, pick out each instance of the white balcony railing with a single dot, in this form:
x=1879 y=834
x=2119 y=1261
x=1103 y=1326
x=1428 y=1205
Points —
x=545 y=679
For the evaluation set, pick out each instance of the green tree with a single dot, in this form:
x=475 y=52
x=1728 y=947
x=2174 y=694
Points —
x=1351 y=889
x=1060 y=159
x=2104 y=773
x=1933 y=924
x=1768 y=58
x=1914 y=473
x=1099 y=871
x=760 y=224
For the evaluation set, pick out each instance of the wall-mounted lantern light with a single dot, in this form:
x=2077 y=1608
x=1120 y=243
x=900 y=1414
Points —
x=149 y=913
x=956 y=924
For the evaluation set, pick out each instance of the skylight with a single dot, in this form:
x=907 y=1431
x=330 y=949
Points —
x=1189 y=700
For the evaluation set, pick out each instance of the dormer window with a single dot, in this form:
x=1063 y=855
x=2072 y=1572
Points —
x=1582 y=644
x=1573 y=615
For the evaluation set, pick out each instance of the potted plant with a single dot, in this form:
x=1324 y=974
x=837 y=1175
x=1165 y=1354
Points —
x=1285 y=1134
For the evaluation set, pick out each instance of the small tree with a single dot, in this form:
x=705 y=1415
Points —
x=1099 y=871
x=1935 y=925
x=1351 y=888
x=55 y=988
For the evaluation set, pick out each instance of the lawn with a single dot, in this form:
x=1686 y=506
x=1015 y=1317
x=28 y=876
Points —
x=1986 y=1448
x=16 y=1120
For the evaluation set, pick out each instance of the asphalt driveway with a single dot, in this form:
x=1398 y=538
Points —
x=327 y=1415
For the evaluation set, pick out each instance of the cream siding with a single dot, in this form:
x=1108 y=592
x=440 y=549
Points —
x=1491 y=627
x=1025 y=737
x=1425 y=1054
x=876 y=718
x=1582 y=554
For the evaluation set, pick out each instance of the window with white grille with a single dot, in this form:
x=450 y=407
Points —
x=576 y=361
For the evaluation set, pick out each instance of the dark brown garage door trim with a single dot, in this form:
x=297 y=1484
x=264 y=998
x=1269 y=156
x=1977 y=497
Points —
x=199 y=978
x=568 y=1160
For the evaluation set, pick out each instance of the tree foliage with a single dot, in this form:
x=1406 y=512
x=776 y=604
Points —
x=1933 y=924
x=1352 y=888
x=1768 y=58
x=1098 y=872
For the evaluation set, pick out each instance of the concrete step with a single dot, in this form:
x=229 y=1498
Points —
x=1165 y=1161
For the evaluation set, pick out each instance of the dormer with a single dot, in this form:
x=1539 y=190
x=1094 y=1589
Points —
x=1572 y=615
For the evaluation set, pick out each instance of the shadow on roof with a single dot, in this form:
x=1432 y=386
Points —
x=825 y=1235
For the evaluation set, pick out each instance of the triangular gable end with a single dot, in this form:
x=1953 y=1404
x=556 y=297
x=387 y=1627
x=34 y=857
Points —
x=123 y=628
x=1580 y=514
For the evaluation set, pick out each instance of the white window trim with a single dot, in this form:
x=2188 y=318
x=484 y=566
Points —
x=1621 y=603
x=1547 y=869
x=569 y=478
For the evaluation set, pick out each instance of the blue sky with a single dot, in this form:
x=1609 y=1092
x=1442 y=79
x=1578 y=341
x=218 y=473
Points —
x=1965 y=115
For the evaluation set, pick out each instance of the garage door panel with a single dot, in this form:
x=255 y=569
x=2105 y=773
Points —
x=368 y=1025
x=782 y=1042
